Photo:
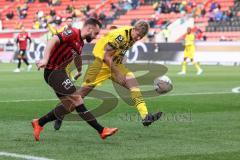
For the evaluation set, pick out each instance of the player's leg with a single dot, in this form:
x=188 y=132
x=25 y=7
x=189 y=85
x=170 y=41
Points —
x=89 y=77
x=64 y=89
x=184 y=63
x=191 y=57
x=83 y=91
x=19 y=57
x=24 y=58
x=131 y=83
x=71 y=101
x=197 y=66
x=94 y=75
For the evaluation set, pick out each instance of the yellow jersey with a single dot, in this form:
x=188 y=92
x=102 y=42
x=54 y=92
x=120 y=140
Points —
x=120 y=39
x=189 y=39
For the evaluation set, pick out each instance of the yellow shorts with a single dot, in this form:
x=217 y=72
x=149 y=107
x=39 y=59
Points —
x=98 y=72
x=189 y=52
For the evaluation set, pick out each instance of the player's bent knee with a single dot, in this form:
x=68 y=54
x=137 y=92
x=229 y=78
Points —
x=76 y=99
x=84 y=91
x=131 y=82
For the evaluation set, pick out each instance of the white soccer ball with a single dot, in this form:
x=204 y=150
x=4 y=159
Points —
x=162 y=84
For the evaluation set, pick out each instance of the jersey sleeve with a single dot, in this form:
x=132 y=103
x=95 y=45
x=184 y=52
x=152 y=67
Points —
x=29 y=37
x=68 y=35
x=17 y=39
x=116 y=39
x=51 y=29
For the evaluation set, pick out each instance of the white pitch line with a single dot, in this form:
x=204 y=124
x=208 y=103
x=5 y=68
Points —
x=203 y=93
x=22 y=156
x=180 y=94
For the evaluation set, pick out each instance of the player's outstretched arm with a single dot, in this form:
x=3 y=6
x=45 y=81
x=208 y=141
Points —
x=108 y=59
x=108 y=55
x=51 y=43
x=78 y=63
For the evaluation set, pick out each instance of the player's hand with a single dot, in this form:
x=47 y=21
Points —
x=41 y=64
x=77 y=75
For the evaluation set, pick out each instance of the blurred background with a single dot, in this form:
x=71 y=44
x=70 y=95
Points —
x=215 y=23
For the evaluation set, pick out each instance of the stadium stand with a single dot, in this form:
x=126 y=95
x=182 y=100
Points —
x=217 y=19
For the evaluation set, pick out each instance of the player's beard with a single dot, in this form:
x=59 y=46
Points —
x=88 y=38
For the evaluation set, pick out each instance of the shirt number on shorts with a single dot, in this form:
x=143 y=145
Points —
x=67 y=84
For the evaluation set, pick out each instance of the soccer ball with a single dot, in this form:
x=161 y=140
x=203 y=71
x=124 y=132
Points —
x=162 y=84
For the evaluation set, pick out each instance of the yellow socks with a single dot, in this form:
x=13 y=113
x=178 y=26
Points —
x=197 y=66
x=139 y=102
x=184 y=66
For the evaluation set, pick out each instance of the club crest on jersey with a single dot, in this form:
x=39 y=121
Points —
x=119 y=39
x=67 y=32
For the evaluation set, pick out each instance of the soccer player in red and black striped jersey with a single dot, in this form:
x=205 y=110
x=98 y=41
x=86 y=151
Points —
x=60 y=51
x=22 y=40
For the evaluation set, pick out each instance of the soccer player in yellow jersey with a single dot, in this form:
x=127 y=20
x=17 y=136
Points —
x=109 y=52
x=189 y=52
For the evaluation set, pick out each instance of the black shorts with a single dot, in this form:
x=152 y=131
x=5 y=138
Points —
x=60 y=82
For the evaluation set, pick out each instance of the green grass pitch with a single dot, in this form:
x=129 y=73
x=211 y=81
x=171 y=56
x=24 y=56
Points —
x=201 y=121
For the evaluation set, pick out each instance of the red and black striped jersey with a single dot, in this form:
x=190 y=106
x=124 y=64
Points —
x=22 y=40
x=62 y=54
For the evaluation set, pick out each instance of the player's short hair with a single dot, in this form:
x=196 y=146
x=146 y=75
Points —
x=93 y=21
x=142 y=26
x=113 y=27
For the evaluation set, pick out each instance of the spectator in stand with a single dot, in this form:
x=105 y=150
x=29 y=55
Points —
x=52 y=12
x=22 y=11
x=70 y=9
x=36 y=24
x=198 y=10
x=175 y=7
x=88 y=8
x=78 y=13
x=189 y=8
x=102 y=19
x=78 y=22
x=127 y=6
x=58 y=20
x=10 y=15
x=113 y=7
x=56 y=2
x=135 y=4
x=85 y=9
x=151 y=36
x=116 y=9
x=229 y=14
x=218 y=15
x=198 y=34
x=166 y=34
x=93 y=14
x=29 y=1
x=211 y=17
x=182 y=7
x=39 y=14
x=203 y=12
x=213 y=5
